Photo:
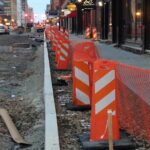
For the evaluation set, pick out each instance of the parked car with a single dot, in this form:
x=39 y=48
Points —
x=40 y=27
x=21 y=29
x=4 y=29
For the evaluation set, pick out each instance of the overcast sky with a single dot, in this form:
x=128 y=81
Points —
x=39 y=7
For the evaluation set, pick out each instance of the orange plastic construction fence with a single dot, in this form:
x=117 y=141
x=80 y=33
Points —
x=85 y=51
x=133 y=92
x=133 y=100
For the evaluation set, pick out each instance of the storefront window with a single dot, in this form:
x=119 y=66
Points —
x=133 y=21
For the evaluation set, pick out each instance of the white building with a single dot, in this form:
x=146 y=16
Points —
x=20 y=13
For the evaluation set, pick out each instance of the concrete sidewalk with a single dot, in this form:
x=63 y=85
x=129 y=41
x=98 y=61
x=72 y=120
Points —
x=112 y=53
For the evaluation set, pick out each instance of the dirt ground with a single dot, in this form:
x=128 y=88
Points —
x=21 y=91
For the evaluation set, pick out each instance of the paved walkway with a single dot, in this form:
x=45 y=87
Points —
x=112 y=53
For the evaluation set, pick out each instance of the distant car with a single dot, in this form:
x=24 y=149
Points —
x=3 y=29
x=21 y=29
x=40 y=28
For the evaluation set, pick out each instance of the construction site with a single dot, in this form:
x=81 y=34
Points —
x=61 y=91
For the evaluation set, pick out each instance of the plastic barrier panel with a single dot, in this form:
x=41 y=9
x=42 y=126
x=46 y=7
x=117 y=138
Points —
x=83 y=55
x=103 y=99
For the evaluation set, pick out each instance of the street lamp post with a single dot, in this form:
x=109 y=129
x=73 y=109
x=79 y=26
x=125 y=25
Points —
x=79 y=17
x=104 y=21
x=100 y=5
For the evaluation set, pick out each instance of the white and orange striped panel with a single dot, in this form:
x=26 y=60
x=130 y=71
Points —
x=94 y=32
x=61 y=29
x=66 y=33
x=81 y=83
x=63 y=59
x=103 y=99
x=58 y=47
x=87 y=33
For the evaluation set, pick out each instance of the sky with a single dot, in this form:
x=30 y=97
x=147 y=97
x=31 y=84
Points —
x=39 y=7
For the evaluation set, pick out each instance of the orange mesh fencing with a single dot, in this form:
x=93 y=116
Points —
x=85 y=50
x=133 y=92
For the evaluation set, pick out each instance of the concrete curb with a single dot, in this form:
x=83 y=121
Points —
x=51 y=127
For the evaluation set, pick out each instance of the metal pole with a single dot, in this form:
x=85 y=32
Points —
x=104 y=20
x=110 y=131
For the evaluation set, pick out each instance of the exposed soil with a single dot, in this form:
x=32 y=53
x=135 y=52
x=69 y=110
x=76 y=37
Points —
x=21 y=91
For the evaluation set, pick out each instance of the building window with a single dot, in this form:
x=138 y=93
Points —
x=133 y=21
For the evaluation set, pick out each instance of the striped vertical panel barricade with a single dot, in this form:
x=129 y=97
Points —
x=61 y=29
x=88 y=33
x=81 y=83
x=54 y=40
x=57 y=46
x=103 y=99
x=63 y=59
x=84 y=53
x=94 y=34
x=47 y=29
x=66 y=33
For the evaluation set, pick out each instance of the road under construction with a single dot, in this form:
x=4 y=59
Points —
x=61 y=91
x=99 y=99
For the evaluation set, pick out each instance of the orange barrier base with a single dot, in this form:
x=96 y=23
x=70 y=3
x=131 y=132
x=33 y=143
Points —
x=71 y=106
x=124 y=143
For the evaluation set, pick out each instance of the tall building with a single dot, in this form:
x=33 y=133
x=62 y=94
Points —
x=1 y=10
x=14 y=10
x=47 y=10
x=1 y=7
x=20 y=13
x=24 y=5
x=30 y=15
x=28 y=12
x=10 y=12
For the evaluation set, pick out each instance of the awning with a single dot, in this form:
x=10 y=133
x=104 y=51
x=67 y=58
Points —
x=72 y=14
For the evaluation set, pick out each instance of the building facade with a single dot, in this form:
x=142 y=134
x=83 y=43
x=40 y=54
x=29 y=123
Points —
x=125 y=22
x=1 y=10
x=19 y=13
x=1 y=7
